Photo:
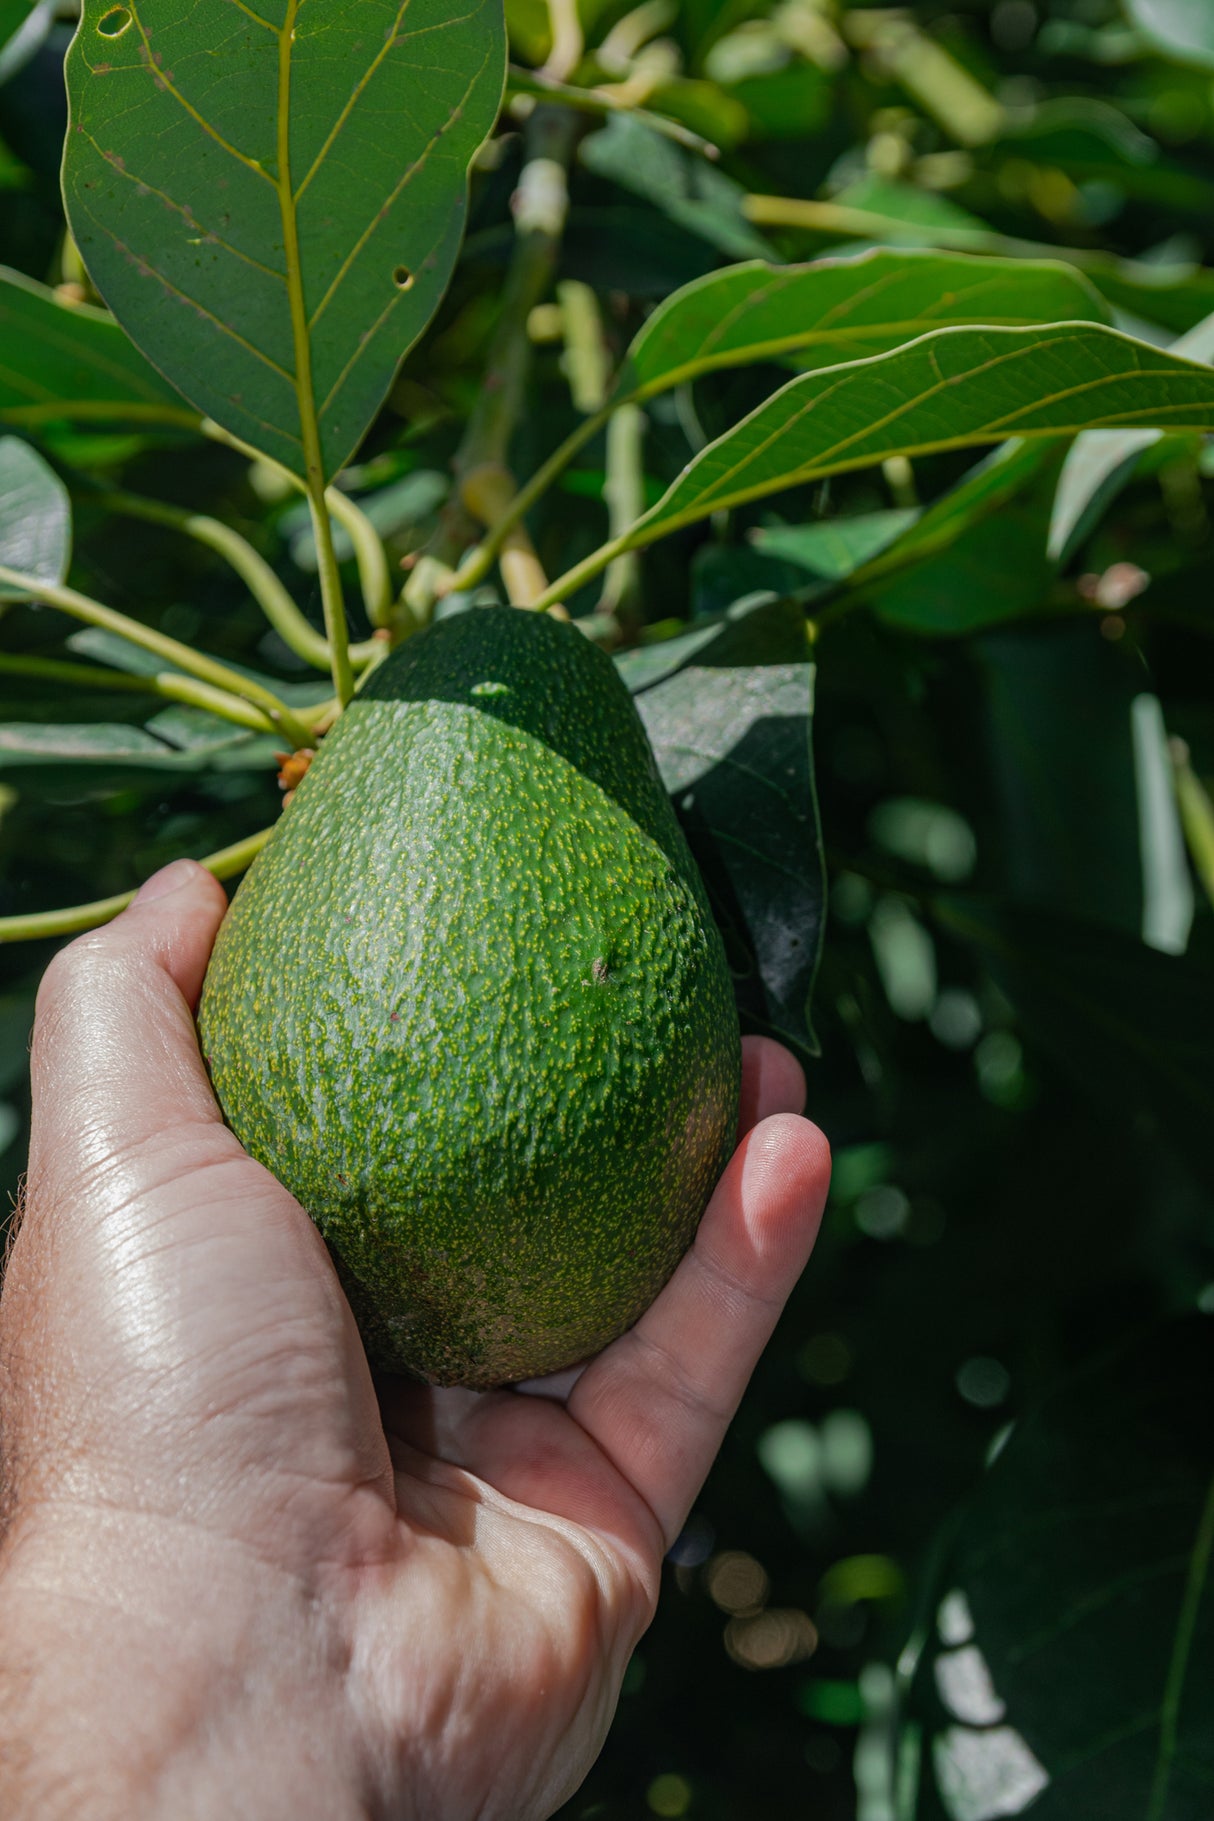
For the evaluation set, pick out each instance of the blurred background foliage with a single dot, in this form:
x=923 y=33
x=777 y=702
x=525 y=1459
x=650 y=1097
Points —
x=1014 y=740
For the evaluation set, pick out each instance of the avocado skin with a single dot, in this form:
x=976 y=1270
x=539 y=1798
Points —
x=470 y=1006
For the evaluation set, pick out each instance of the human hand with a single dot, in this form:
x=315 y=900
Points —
x=234 y=1580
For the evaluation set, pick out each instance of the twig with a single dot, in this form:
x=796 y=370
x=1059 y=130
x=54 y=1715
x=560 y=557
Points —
x=166 y=683
x=374 y=576
x=224 y=864
x=54 y=594
x=269 y=593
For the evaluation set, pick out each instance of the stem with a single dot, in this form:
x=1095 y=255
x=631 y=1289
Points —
x=374 y=576
x=602 y=101
x=331 y=595
x=487 y=493
x=566 y=28
x=477 y=564
x=624 y=496
x=540 y=205
x=586 y=570
x=586 y=363
x=166 y=683
x=230 y=682
x=373 y=573
x=1196 y=815
x=224 y=864
x=269 y=593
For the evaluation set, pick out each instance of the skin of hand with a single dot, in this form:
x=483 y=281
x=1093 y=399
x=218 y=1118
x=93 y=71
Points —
x=237 y=1579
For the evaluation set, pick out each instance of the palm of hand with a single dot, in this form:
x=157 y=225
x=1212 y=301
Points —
x=486 y=1562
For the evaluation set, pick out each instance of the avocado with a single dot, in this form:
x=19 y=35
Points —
x=470 y=1006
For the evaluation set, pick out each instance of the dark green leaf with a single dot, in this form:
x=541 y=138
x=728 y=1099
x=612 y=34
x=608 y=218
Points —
x=987 y=487
x=835 y=548
x=1135 y=1028
x=979 y=556
x=834 y=310
x=67 y=361
x=948 y=389
x=274 y=223
x=35 y=516
x=682 y=185
x=1073 y=1656
x=731 y=732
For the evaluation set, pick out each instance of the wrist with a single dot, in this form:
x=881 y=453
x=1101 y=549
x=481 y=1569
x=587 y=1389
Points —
x=149 y=1669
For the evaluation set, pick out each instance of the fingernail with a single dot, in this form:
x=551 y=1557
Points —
x=169 y=879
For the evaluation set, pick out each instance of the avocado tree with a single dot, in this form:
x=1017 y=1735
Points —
x=781 y=348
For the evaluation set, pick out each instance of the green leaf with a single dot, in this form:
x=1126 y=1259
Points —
x=948 y=389
x=978 y=557
x=1070 y=1669
x=35 y=516
x=1133 y=1027
x=835 y=548
x=838 y=309
x=65 y=361
x=682 y=185
x=28 y=745
x=988 y=485
x=1183 y=29
x=272 y=201
x=730 y=728
x=1101 y=462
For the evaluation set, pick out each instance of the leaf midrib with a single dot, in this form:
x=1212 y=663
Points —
x=301 y=339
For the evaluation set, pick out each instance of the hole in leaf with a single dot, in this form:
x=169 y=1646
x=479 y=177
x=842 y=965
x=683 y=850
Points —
x=115 y=22
x=402 y=278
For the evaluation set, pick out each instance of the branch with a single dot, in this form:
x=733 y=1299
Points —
x=540 y=206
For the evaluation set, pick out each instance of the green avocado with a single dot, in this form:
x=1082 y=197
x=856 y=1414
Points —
x=470 y=1006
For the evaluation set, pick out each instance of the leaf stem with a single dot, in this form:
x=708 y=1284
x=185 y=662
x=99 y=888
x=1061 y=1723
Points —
x=224 y=864
x=269 y=593
x=374 y=576
x=603 y=101
x=331 y=596
x=479 y=561
x=55 y=594
x=166 y=683
x=373 y=573
x=587 y=569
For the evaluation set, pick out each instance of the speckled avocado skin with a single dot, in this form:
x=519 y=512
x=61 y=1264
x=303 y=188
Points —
x=470 y=1006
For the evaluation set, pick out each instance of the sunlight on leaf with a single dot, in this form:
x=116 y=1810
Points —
x=272 y=202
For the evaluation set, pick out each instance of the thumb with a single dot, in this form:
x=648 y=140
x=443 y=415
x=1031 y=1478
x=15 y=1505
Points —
x=115 y=1062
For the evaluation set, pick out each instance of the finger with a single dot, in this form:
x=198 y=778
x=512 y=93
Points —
x=659 y=1399
x=772 y=1082
x=115 y=1061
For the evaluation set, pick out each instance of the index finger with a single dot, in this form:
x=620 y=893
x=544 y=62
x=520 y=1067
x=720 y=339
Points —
x=659 y=1400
